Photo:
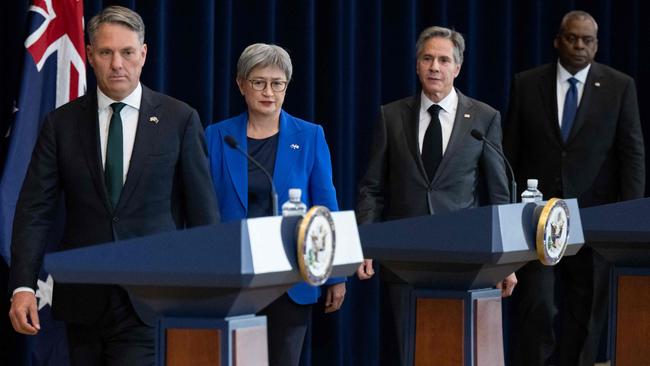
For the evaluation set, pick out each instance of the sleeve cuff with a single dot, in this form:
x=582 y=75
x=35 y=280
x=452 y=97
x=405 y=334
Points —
x=23 y=289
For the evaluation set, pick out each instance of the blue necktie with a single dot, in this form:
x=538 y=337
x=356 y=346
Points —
x=570 y=108
x=113 y=168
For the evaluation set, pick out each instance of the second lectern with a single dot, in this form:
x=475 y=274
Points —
x=450 y=263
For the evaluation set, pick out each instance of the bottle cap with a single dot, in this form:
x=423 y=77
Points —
x=294 y=194
x=532 y=183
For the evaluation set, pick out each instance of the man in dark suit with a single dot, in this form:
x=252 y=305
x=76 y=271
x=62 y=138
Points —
x=574 y=125
x=129 y=162
x=417 y=167
x=423 y=159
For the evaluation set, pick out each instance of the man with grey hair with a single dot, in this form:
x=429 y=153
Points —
x=129 y=162
x=574 y=125
x=423 y=160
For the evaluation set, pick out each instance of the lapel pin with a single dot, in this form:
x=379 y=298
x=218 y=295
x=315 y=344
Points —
x=466 y=115
x=597 y=84
x=153 y=119
x=294 y=146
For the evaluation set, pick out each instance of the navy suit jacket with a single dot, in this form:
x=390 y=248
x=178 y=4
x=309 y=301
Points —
x=302 y=161
x=167 y=187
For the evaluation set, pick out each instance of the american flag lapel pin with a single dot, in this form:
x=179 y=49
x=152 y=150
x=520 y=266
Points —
x=153 y=119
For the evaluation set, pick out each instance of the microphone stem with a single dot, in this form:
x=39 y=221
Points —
x=274 y=202
x=274 y=195
x=513 y=182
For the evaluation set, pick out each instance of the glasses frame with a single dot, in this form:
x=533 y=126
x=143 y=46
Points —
x=266 y=83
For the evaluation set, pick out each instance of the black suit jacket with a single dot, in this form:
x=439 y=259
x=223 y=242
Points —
x=396 y=185
x=603 y=158
x=167 y=187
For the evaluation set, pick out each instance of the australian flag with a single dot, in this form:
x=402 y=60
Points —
x=54 y=73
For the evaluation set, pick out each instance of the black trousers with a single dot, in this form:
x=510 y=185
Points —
x=287 y=325
x=560 y=310
x=118 y=338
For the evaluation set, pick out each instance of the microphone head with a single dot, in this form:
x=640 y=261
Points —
x=231 y=141
x=477 y=135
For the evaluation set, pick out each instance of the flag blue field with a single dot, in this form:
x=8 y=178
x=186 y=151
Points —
x=54 y=72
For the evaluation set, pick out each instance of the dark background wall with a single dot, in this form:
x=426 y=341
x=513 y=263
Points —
x=349 y=56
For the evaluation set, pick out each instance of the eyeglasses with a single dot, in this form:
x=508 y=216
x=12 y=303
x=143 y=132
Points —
x=276 y=85
x=573 y=39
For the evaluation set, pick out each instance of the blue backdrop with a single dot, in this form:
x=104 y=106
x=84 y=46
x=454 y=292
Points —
x=349 y=58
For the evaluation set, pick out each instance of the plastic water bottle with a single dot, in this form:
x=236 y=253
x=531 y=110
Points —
x=294 y=206
x=531 y=194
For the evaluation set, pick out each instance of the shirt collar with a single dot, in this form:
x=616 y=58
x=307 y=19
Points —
x=563 y=75
x=448 y=103
x=132 y=100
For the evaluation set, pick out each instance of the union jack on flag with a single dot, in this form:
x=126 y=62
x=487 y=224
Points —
x=60 y=32
x=54 y=73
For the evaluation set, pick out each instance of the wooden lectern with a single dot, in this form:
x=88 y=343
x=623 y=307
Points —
x=452 y=262
x=201 y=287
x=620 y=232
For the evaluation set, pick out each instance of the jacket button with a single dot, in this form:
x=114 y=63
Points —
x=564 y=154
x=116 y=219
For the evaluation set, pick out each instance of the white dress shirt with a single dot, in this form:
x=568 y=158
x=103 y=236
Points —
x=447 y=115
x=129 y=116
x=562 y=86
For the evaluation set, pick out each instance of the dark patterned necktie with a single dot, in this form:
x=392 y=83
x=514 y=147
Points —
x=432 y=144
x=114 y=166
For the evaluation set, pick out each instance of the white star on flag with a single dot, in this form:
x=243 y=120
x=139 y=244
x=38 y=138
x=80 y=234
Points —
x=44 y=292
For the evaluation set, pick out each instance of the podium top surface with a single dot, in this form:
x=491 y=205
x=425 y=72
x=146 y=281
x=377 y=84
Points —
x=248 y=253
x=627 y=221
x=497 y=234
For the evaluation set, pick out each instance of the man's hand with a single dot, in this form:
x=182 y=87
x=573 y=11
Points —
x=335 y=296
x=507 y=285
x=365 y=270
x=23 y=312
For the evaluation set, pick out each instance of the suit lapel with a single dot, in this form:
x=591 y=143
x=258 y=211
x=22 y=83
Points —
x=548 y=94
x=236 y=161
x=462 y=126
x=594 y=77
x=291 y=144
x=88 y=127
x=145 y=139
x=410 y=124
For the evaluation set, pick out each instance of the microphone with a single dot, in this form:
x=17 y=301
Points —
x=513 y=183
x=232 y=142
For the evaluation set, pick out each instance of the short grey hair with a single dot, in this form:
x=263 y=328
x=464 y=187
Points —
x=117 y=15
x=455 y=37
x=263 y=55
x=576 y=14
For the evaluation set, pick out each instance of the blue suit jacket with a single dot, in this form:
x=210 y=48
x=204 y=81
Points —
x=302 y=161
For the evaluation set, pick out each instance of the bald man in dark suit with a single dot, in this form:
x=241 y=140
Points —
x=574 y=125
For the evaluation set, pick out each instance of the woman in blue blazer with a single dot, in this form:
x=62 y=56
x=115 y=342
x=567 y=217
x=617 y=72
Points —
x=296 y=154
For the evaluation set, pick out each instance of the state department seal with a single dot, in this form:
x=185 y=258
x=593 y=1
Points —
x=552 y=232
x=316 y=245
